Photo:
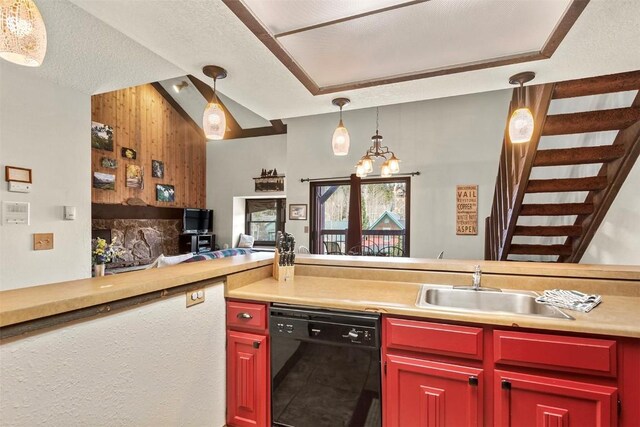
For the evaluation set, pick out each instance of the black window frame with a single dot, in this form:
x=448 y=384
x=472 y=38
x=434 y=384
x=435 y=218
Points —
x=281 y=204
x=315 y=244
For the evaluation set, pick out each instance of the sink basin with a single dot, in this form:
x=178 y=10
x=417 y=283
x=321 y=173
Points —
x=437 y=297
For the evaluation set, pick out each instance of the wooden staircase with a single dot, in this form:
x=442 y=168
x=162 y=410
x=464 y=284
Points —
x=518 y=161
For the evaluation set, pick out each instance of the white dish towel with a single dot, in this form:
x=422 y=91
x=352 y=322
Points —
x=571 y=300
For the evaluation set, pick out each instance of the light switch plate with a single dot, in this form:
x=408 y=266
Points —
x=194 y=296
x=42 y=241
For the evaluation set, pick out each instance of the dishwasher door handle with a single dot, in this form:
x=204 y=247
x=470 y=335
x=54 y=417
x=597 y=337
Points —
x=245 y=316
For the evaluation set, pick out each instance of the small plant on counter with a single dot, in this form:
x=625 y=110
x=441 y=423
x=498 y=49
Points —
x=102 y=252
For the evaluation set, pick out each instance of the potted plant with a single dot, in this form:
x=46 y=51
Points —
x=102 y=254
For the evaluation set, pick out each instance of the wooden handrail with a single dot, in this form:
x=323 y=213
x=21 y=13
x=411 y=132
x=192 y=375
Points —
x=516 y=161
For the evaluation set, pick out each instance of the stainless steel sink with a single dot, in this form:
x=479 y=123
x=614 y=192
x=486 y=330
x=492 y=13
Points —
x=447 y=298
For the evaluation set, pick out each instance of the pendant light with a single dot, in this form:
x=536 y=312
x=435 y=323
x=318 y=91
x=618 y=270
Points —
x=214 y=122
x=391 y=163
x=23 y=36
x=340 y=141
x=521 y=122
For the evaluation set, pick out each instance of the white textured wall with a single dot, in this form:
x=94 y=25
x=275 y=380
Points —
x=159 y=364
x=618 y=238
x=450 y=141
x=46 y=128
x=231 y=166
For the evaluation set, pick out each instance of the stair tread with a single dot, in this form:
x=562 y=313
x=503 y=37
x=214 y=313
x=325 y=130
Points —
x=590 y=121
x=522 y=249
x=597 y=85
x=556 y=209
x=578 y=155
x=566 y=184
x=548 y=230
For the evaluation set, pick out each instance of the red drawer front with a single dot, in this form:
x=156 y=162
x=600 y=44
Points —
x=247 y=316
x=584 y=355
x=427 y=337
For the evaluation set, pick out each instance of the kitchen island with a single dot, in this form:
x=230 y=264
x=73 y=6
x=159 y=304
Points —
x=70 y=346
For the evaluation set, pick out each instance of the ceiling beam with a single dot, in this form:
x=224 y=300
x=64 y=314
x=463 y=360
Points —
x=348 y=18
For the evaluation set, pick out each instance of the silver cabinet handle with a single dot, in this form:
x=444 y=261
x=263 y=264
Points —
x=245 y=316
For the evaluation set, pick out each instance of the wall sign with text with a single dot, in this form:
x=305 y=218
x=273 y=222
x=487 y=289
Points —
x=467 y=209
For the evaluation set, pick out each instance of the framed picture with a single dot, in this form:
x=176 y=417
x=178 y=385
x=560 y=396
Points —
x=135 y=176
x=128 y=153
x=298 y=212
x=101 y=136
x=16 y=174
x=165 y=193
x=157 y=169
x=109 y=163
x=104 y=181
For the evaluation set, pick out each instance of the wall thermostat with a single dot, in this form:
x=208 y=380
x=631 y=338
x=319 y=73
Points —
x=19 y=187
x=70 y=213
x=15 y=213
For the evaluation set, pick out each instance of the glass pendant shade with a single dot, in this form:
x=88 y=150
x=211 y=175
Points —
x=385 y=170
x=394 y=164
x=23 y=36
x=367 y=163
x=521 y=126
x=214 y=122
x=340 y=141
x=360 y=173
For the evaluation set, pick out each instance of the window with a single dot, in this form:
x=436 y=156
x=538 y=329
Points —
x=265 y=217
x=384 y=210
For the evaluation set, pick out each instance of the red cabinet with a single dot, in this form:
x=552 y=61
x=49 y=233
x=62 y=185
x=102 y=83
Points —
x=248 y=374
x=524 y=400
x=425 y=393
x=247 y=379
x=457 y=375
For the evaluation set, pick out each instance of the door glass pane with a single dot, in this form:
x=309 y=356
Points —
x=334 y=217
x=384 y=216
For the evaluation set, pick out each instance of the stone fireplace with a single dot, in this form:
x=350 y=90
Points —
x=141 y=241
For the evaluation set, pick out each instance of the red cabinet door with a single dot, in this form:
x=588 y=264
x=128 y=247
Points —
x=523 y=400
x=247 y=380
x=431 y=394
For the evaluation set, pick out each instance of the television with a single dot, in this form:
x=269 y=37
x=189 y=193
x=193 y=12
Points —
x=196 y=221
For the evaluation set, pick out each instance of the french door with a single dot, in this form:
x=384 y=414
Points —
x=385 y=212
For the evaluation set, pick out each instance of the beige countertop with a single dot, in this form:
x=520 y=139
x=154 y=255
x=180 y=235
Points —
x=616 y=315
x=21 y=305
x=342 y=287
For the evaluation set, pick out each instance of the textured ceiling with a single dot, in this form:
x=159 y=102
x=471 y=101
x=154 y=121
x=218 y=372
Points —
x=182 y=36
x=86 y=54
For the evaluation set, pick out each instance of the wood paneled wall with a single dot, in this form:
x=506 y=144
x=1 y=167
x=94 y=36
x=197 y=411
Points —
x=144 y=121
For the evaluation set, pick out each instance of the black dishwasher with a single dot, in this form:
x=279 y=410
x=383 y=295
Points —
x=325 y=367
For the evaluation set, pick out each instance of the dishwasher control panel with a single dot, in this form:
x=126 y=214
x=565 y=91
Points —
x=345 y=328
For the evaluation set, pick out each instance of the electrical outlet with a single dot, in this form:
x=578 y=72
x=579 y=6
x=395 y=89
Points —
x=194 y=296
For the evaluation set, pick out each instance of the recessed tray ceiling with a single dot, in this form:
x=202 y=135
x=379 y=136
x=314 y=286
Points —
x=333 y=45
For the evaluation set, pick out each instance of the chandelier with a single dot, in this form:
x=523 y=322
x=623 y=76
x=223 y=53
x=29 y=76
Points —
x=391 y=163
